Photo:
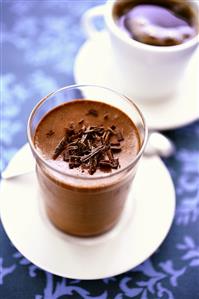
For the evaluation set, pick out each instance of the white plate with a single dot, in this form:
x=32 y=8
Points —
x=94 y=65
x=142 y=228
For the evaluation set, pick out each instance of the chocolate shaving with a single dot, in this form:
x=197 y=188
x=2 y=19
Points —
x=106 y=116
x=107 y=137
x=81 y=121
x=111 y=131
x=93 y=165
x=93 y=153
x=72 y=147
x=50 y=133
x=90 y=148
x=116 y=148
x=72 y=125
x=119 y=136
x=60 y=147
x=74 y=164
x=115 y=163
x=110 y=154
x=108 y=163
x=92 y=112
x=105 y=163
x=66 y=156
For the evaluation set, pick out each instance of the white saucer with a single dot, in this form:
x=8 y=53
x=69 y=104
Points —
x=140 y=231
x=94 y=65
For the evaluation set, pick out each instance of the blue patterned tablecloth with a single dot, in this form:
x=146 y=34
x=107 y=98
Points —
x=39 y=42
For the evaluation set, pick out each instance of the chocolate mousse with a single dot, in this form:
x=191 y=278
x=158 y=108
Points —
x=87 y=144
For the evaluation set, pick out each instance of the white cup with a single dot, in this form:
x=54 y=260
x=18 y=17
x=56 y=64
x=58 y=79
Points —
x=145 y=72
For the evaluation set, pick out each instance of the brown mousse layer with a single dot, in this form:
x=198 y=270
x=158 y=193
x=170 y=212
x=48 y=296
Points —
x=102 y=135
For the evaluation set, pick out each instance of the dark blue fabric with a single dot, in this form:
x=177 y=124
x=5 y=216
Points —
x=39 y=42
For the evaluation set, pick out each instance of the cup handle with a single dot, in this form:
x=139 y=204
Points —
x=87 y=20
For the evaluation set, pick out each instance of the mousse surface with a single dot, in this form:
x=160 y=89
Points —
x=86 y=114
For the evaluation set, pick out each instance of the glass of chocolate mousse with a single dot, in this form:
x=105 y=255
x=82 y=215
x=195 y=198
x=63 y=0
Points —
x=87 y=141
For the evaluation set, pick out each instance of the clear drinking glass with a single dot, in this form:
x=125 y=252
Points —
x=86 y=205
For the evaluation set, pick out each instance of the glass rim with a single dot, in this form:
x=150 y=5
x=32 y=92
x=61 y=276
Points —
x=92 y=178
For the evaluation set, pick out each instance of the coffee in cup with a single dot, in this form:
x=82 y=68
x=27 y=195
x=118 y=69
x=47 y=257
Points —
x=150 y=53
x=157 y=23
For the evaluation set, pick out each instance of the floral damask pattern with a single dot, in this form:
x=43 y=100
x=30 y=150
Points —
x=39 y=42
x=188 y=209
